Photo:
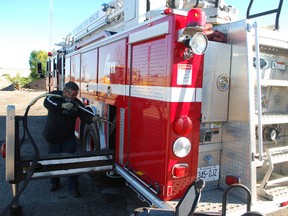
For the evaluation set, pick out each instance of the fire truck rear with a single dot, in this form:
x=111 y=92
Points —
x=177 y=106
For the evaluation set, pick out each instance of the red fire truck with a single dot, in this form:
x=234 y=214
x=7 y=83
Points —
x=181 y=100
x=183 y=107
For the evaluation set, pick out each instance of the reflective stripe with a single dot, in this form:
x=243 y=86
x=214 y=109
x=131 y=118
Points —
x=160 y=93
x=51 y=101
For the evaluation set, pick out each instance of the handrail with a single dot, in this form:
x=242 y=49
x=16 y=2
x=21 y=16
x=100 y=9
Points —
x=259 y=93
x=277 y=11
x=228 y=190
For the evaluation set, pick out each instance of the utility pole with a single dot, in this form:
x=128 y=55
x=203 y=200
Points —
x=51 y=26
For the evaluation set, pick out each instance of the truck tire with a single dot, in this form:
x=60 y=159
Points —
x=91 y=141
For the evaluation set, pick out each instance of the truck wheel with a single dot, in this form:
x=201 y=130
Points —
x=91 y=141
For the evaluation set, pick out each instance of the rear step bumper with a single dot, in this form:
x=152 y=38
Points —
x=69 y=164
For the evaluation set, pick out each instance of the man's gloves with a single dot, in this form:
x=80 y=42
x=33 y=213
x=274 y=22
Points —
x=96 y=118
x=68 y=106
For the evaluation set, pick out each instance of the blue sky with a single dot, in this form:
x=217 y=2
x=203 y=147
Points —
x=24 y=24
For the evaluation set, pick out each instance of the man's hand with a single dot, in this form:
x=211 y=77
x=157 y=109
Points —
x=67 y=106
x=96 y=118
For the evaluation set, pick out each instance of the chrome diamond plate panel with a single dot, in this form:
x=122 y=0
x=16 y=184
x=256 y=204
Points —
x=211 y=201
x=215 y=99
x=239 y=143
x=10 y=143
x=121 y=135
x=238 y=140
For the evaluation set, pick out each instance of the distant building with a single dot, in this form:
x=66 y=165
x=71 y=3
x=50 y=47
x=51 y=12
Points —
x=12 y=72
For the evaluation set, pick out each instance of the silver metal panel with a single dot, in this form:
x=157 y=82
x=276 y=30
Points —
x=236 y=158
x=239 y=91
x=210 y=133
x=216 y=63
x=121 y=135
x=238 y=140
x=209 y=158
x=274 y=82
x=10 y=143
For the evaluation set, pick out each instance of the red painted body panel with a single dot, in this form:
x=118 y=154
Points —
x=151 y=132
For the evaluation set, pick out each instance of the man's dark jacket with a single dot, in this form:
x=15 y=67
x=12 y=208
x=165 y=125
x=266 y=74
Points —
x=60 y=123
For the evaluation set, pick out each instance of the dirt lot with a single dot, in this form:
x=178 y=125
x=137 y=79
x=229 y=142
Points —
x=99 y=195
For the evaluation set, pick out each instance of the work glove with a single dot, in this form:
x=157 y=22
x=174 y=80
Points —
x=96 y=119
x=67 y=106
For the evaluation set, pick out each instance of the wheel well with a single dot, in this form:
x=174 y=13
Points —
x=111 y=117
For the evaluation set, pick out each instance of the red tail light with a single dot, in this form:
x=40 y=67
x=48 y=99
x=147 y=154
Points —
x=3 y=150
x=283 y=204
x=196 y=17
x=180 y=170
x=230 y=180
x=183 y=125
x=168 y=11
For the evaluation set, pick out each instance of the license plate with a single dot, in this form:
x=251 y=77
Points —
x=209 y=173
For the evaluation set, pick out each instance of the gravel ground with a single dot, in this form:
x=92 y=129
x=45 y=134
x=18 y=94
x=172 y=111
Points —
x=99 y=194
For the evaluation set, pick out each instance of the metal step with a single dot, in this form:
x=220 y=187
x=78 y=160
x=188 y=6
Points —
x=275 y=118
x=69 y=164
x=274 y=156
x=271 y=82
x=211 y=201
x=278 y=155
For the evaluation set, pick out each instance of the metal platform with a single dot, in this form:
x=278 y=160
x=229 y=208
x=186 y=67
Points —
x=275 y=156
x=211 y=201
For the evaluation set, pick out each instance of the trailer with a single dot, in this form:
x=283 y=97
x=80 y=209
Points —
x=187 y=91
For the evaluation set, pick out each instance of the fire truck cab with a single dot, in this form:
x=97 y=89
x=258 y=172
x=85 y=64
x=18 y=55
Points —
x=181 y=100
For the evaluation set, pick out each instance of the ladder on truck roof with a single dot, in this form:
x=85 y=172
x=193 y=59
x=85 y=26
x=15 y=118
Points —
x=276 y=10
x=109 y=17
